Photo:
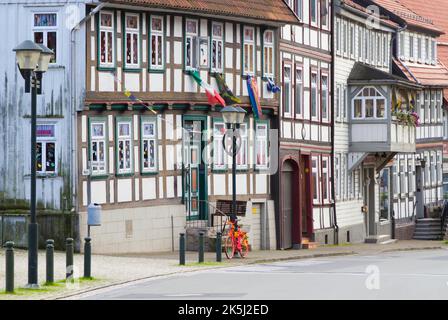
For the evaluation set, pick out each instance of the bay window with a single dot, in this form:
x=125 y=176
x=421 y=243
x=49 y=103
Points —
x=217 y=47
x=268 y=53
x=156 y=43
x=132 y=40
x=249 y=50
x=149 y=144
x=107 y=40
x=124 y=146
x=369 y=104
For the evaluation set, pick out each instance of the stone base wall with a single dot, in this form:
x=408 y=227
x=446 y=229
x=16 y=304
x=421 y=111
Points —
x=404 y=230
x=137 y=230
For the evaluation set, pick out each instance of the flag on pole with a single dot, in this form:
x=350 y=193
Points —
x=212 y=95
x=252 y=89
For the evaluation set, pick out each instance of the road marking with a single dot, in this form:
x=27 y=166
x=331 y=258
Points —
x=179 y=295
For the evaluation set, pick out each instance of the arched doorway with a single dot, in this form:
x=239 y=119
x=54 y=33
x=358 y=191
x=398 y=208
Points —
x=290 y=208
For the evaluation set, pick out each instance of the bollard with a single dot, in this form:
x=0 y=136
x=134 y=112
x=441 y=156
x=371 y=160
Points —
x=218 y=247
x=87 y=257
x=182 y=249
x=9 y=267
x=201 y=247
x=50 y=261
x=69 y=258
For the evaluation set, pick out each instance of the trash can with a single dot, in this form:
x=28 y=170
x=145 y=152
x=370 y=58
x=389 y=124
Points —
x=94 y=214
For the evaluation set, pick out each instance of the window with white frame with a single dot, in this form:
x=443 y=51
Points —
x=427 y=106
x=360 y=42
x=315 y=178
x=268 y=53
x=427 y=48
x=401 y=45
x=156 y=44
x=324 y=8
x=324 y=96
x=433 y=168
x=124 y=146
x=368 y=103
x=98 y=146
x=411 y=47
x=433 y=51
x=337 y=175
x=325 y=180
x=287 y=90
x=352 y=41
x=46 y=148
x=217 y=51
x=385 y=50
x=314 y=95
x=219 y=154
x=261 y=145
x=366 y=44
x=191 y=45
x=249 y=50
x=338 y=102
x=313 y=11
x=149 y=144
x=379 y=43
x=107 y=39
x=372 y=47
x=345 y=39
x=439 y=167
x=132 y=40
x=241 y=156
x=298 y=8
x=439 y=102
x=419 y=49
x=299 y=91
x=411 y=175
x=45 y=27
x=338 y=37
x=344 y=108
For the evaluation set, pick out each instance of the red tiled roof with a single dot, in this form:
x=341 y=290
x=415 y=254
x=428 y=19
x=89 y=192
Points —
x=266 y=10
x=426 y=75
x=411 y=17
x=354 y=5
x=436 y=10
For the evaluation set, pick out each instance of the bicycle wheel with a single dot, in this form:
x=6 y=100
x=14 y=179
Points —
x=244 y=248
x=229 y=247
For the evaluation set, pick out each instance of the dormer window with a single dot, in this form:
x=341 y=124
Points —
x=369 y=103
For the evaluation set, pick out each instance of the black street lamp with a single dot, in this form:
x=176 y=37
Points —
x=33 y=60
x=233 y=117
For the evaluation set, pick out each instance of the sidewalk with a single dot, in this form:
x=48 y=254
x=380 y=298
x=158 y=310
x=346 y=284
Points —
x=109 y=270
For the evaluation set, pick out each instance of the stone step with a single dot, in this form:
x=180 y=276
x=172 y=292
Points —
x=433 y=233
x=427 y=220
x=429 y=229
x=377 y=239
x=426 y=237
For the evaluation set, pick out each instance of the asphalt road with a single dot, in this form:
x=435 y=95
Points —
x=397 y=275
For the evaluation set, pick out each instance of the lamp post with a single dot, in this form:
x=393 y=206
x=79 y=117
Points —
x=32 y=60
x=233 y=117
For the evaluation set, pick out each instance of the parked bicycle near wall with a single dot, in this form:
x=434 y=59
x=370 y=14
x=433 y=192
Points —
x=237 y=241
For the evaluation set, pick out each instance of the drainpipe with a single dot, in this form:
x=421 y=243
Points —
x=333 y=79
x=73 y=98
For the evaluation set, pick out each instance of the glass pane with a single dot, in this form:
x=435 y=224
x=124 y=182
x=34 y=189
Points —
x=159 y=50
x=103 y=47
x=268 y=37
x=148 y=129
x=50 y=157
x=51 y=44
x=132 y=22
x=217 y=30
x=358 y=108
x=156 y=24
x=39 y=157
x=97 y=130
x=38 y=37
x=191 y=27
x=128 y=48
x=369 y=108
x=106 y=20
x=109 y=47
x=45 y=130
x=124 y=129
x=248 y=34
x=135 y=49
x=45 y=19
x=380 y=104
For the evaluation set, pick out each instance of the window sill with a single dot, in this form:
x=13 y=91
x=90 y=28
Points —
x=124 y=175
x=100 y=68
x=134 y=70
x=156 y=70
x=149 y=173
x=220 y=171
x=99 y=177
x=46 y=175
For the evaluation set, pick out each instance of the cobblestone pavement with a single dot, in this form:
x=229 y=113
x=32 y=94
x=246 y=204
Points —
x=109 y=269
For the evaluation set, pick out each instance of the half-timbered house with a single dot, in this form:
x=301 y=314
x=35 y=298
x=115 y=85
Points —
x=304 y=190
x=150 y=142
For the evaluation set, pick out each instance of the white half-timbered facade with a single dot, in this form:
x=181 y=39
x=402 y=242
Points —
x=305 y=200
x=153 y=141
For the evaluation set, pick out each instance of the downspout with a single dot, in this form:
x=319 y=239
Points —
x=73 y=128
x=333 y=79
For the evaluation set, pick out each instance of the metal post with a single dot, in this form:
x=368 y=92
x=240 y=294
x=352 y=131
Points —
x=234 y=175
x=87 y=257
x=33 y=227
x=201 y=247
x=9 y=267
x=50 y=261
x=69 y=258
x=182 y=249
x=219 y=247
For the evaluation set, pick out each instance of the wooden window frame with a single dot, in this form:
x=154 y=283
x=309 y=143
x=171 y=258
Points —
x=156 y=67
x=118 y=121
x=105 y=139
x=252 y=43
x=107 y=65
x=149 y=120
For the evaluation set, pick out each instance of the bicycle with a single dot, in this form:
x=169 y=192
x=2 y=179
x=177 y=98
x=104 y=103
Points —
x=236 y=241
